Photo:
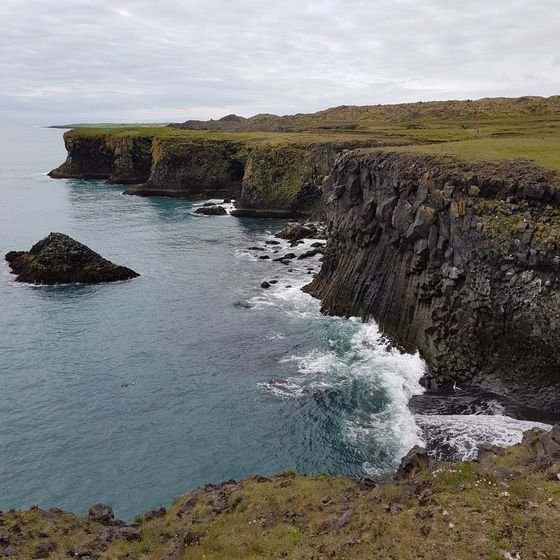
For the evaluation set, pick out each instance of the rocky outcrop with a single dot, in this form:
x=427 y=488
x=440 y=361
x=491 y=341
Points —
x=194 y=169
x=59 y=259
x=115 y=158
x=458 y=261
x=213 y=210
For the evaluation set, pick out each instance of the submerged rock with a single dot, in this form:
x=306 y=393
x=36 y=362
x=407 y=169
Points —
x=59 y=259
x=213 y=210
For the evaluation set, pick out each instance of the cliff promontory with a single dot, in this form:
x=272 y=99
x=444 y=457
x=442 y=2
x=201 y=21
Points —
x=460 y=261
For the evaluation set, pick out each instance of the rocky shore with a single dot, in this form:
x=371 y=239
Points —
x=59 y=259
x=425 y=510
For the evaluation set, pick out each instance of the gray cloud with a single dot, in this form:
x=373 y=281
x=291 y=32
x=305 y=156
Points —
x=132 y=60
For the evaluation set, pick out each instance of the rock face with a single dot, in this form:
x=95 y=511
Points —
x=460 y=262
x=59 y=259
x=268 y=180
x=117 y=159
x=194 y=169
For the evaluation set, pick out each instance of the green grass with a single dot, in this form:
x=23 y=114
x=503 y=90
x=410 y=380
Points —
x=544 y=150
x=495 y=131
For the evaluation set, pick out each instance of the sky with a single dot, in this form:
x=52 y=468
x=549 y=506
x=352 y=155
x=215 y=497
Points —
x=170 y=60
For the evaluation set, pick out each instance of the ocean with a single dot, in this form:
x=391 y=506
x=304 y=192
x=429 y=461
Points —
x=132 y=393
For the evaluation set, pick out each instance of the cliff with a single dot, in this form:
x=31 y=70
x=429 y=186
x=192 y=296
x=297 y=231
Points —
x=457 y=260
x=117 y=159
x=266 y=177
x=425 y=511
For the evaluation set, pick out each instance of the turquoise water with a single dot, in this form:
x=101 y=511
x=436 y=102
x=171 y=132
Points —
x=132 y=393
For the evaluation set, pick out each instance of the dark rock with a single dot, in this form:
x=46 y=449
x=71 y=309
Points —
x=191 y=538
x=415 y=461
x=286 y=257
x=311 y=253
x=257 y=478
x=296 y=232
x=220 y=502
x=487 y=451
x=213 y=210
x=242 y=304
x=264 y=257
x=272 y=242
x=531 y=438
x=317 y=244
x=154 y=513
x=188 y=504
x=59 y=259
x=101 y=513
x=265 y=285
x=128 y=533
x=256 y=248
x=273 y=281
x=549 y=445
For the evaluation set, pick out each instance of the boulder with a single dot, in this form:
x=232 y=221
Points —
x=154 y=513
x=413 y=462
x=548 y=446
x=213 y=210
x=101 y=513
x=59 y=259
x=296 y=231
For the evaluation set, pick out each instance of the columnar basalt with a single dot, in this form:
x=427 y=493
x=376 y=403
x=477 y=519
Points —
x=459 y=261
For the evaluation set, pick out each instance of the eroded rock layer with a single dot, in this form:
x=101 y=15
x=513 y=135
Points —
x=458 y=261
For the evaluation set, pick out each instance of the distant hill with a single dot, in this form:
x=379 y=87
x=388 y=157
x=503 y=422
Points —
x=368 y=117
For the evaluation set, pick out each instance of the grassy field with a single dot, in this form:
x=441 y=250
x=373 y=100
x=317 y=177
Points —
x=488 y=129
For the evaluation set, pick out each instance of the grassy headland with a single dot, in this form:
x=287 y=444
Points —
x=487 y=129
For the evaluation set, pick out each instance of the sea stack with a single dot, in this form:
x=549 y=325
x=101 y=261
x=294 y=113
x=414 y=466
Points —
x=59 y=259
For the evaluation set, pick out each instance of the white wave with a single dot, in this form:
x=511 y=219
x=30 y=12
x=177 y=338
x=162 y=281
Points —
x=359 y=356
x=457 y=437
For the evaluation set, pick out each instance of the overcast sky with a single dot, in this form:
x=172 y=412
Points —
x=148 y=60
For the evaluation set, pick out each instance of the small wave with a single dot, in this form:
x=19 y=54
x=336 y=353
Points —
x=456 y=437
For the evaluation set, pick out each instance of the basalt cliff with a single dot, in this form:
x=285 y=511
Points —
x=280 y=179
x=459 y=261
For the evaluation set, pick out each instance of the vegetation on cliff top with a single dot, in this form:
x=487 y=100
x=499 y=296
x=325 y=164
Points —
x=487 y=129
x=505 y=504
